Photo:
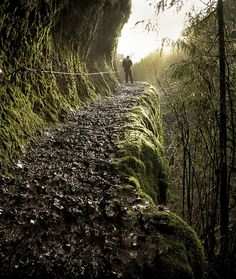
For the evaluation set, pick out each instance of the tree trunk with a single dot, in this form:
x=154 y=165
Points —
x=224 y=200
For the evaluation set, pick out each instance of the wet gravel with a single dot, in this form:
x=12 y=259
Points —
x=61 y=215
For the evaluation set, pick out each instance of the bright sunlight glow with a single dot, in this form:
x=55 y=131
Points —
x=137 y=42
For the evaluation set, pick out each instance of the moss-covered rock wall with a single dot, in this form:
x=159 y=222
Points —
x=141 y=152
x=67 y=36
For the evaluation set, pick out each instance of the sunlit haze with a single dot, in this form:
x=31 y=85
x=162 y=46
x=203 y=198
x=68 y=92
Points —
x=138 y=42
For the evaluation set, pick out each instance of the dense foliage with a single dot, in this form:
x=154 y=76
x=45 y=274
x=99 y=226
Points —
x=192 y=110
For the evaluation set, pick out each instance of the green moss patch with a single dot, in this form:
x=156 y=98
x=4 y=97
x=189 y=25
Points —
x=182 y=249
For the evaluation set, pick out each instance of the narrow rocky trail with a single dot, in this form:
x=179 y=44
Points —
x=67 y=212
x=58 y=215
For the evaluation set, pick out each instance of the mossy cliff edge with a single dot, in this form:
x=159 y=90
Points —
x=67 y=35
x=174 y=250
x=141 y=151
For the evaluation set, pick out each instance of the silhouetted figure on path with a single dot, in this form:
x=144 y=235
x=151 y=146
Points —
x=126 y=64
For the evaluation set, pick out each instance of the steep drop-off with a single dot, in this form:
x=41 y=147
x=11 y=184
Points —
x=68 y=36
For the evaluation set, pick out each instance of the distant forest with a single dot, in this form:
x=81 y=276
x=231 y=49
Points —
x=155 y=65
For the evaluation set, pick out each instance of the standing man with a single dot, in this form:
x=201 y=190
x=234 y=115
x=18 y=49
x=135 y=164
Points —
x=126 y=64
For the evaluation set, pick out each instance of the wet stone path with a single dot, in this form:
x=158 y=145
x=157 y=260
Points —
x=56 y=216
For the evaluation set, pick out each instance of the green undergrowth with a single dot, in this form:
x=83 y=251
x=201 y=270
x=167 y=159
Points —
x=66 y=36
x=141 y=152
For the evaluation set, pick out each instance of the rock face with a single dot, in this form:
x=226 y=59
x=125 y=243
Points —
x=69 y=213
x=75 y=36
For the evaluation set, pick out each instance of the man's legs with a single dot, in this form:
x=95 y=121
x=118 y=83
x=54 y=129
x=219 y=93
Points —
x=126 y=76
x=130 y=76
